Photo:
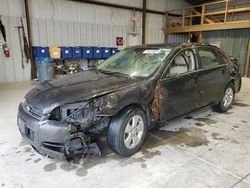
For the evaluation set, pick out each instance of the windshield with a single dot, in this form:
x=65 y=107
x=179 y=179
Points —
x=135 y=62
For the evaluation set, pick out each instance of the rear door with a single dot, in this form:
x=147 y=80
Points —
x=212 y=75
x=178 y=86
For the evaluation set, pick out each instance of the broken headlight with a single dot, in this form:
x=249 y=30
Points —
x=56 y=114
x=106 y=101
x=82 y=112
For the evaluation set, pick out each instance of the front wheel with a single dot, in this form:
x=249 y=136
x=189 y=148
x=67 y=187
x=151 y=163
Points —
x=227 y=99
x=127 y=131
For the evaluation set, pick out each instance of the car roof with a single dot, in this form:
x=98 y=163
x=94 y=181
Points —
x=173 y=45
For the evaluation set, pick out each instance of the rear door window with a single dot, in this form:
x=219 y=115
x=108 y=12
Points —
x=208 y=58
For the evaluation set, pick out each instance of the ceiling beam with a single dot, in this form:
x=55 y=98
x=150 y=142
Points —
x=198 y=2
x=100 y=3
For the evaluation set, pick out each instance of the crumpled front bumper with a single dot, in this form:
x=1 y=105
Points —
x=47 y=137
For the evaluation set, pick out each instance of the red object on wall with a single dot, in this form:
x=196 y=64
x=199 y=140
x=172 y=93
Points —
x=6 y=50
x=119 y=41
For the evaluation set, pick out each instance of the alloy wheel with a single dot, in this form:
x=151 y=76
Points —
x=228 y=97
x=133 y=131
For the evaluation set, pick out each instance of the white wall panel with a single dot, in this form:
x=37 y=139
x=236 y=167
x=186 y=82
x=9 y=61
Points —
x=50 y=32
x=9 y=65
x=60 y=33
x=11 y=69
x=154 y=28
x=4 y=8
x=2 y=68
x=12 y=8
x=87 y=13
x=42 y=29
x=71 y=34
x=77 y=33
x=57 y=33
x=35 y=32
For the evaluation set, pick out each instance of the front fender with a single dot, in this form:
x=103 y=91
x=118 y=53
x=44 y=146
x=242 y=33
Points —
x=113 y=103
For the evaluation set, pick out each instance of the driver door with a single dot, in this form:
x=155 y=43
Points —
x=179 y=86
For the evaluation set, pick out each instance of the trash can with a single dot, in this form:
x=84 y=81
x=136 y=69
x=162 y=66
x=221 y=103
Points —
x=45 y=71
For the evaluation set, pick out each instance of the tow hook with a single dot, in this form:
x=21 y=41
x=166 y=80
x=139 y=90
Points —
x=80 y=147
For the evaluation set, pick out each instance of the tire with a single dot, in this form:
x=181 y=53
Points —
x=127 y=131
x=226 y=100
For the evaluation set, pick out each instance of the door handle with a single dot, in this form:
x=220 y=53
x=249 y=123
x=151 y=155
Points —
x=196 y=79
x=202 y=93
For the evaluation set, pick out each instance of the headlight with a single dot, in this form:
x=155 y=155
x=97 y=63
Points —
x=106 y=101
x=55 y=114
x=81 y=112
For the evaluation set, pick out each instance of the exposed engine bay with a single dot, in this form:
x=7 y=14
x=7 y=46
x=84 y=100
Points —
x=83 y=124
x=80 y=123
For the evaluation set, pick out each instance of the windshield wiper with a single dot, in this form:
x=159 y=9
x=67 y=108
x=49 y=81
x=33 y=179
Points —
x=114 y=73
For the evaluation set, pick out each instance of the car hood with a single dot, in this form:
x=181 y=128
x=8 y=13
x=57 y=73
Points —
x=76 y=87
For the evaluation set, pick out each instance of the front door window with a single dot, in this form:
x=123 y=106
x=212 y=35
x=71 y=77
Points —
x=182 y=63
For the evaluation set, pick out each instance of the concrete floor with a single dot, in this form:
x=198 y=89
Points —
x=203 y=149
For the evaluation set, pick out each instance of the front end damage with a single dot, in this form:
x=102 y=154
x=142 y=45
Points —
x=65 y=132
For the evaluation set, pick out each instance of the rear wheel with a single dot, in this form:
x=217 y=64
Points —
x=227 y=99
x=127 y=132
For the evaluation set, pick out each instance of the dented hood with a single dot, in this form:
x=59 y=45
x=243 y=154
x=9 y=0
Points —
x=76 y=87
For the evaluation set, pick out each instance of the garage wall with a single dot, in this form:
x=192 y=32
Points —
x=155 y=23
x=234 y=42
x=67 y=23
x=97 y=25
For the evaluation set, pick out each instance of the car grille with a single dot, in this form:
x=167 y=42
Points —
x=34 y=112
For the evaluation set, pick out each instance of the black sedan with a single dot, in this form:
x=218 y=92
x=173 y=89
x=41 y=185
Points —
x=125 y=96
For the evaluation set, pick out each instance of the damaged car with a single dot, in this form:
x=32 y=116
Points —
x=131 y=92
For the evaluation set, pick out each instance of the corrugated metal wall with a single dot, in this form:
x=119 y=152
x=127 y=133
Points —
x=67 y=23
x=234 y=42
x=177 y=38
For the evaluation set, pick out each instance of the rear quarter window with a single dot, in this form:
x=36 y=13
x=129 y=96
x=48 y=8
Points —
x=222 y=58
x=208 y=58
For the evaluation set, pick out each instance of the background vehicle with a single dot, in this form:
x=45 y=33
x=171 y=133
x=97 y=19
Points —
x=126 y=95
